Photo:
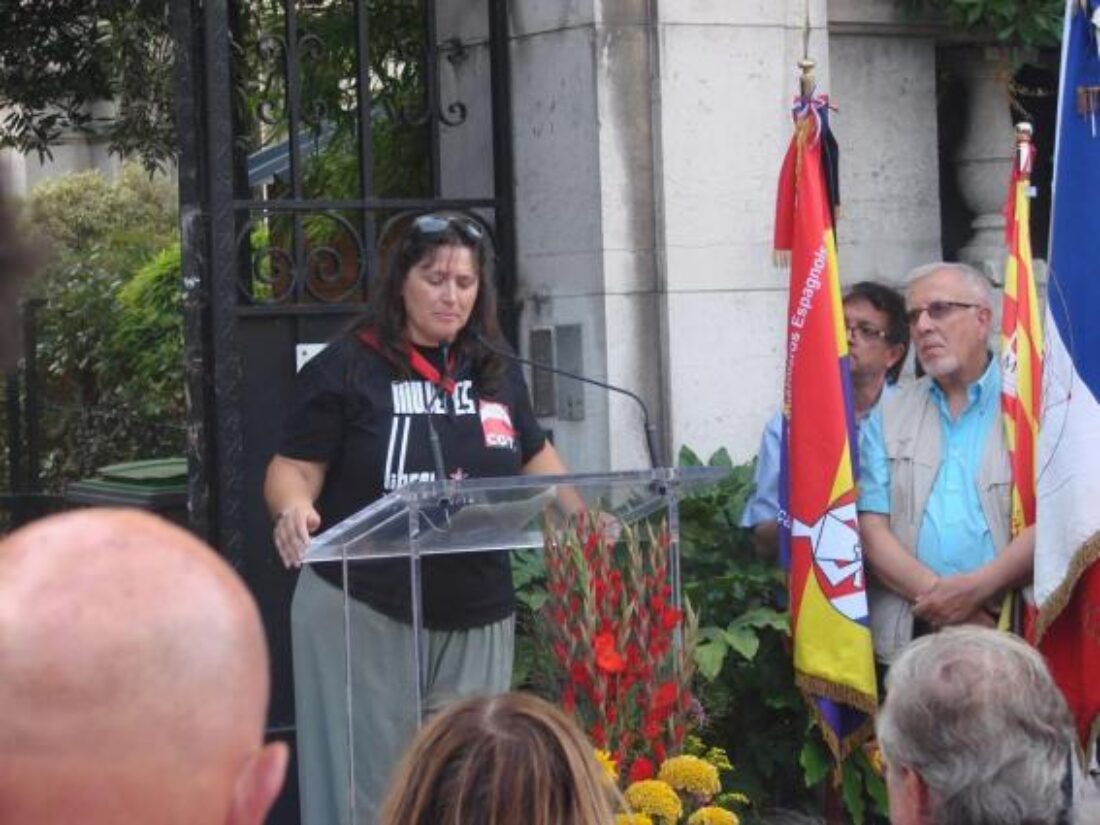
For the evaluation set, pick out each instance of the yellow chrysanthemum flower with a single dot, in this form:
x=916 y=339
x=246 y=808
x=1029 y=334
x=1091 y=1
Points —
x=607 y=762
x=690 y=774
x=632 y=819
x=711 y=815
x=655 y=798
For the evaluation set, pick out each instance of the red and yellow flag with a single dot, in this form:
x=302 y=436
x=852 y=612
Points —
x=819 y=534
x=1021 y=338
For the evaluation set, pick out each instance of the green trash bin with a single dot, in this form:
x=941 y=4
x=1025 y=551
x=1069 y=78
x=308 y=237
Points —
x=158 y=485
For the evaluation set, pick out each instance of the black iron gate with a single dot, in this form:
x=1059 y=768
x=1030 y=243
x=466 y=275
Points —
x=304 y=124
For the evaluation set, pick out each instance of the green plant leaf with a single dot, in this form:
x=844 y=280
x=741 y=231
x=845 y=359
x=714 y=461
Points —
x=852 y=792
x=763 y=617
x=688 y=458
x=721 y=458
x=814 y=759
x=744 y=640
x=709 y=657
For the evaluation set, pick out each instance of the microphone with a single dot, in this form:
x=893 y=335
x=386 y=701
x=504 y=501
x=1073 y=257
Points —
x=433 y=434
x=650 y=429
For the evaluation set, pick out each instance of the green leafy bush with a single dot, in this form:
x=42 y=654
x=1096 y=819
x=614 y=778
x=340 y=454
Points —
x=110 y=332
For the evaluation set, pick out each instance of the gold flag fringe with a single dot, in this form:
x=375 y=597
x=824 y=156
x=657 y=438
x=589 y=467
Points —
x=814 y=687
x=1086 y=555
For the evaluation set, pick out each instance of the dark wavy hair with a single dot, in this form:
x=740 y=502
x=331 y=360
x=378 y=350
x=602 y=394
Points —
x=890 y=302
x=404 y=242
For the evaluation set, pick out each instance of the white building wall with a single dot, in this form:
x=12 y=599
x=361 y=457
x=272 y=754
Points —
x=585 y=207
x=647 y=153
x=728 y=73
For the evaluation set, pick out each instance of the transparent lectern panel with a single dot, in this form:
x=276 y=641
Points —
x=380 y=696
x=384 y=693
x=476 y=515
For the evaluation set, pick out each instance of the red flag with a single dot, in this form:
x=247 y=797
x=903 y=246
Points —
x=819 y=536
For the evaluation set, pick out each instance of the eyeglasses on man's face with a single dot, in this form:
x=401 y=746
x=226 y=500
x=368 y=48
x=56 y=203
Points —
x=937 y=310
x=432 y=225
x=863 y=331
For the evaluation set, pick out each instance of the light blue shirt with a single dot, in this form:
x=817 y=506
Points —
x=954 y=536
x=763 y=505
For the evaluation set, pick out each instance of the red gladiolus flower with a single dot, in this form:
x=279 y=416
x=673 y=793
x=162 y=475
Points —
x=665 y=697
x=641 y=769
x=607 y=658
x=670 y=618
x=599 y=737
x=568 y=699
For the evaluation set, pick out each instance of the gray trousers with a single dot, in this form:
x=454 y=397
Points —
x=383 y=716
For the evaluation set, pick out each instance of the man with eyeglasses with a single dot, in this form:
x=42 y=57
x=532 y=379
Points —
x=935 y=478
x=878 y=340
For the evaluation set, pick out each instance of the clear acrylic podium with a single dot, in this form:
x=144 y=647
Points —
x=471 y=516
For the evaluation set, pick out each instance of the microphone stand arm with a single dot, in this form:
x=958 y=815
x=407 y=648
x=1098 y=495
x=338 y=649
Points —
x=650 y=429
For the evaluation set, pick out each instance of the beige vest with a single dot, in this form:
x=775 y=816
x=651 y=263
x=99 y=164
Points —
x=911 y=429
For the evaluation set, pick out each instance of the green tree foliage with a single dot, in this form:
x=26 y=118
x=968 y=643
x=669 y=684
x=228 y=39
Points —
x=105 y=68
x=1017 y=22
x=101 y=67
x=110 y=331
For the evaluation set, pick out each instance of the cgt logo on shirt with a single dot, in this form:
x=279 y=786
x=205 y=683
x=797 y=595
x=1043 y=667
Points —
x=496 y=424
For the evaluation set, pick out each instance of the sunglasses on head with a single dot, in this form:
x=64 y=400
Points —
x=432 y=225
x=937 y=310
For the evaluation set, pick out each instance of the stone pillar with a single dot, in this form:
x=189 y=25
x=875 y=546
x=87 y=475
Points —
x=884 y=88
x=984 y=157
x=728 y=73
x=585 y=211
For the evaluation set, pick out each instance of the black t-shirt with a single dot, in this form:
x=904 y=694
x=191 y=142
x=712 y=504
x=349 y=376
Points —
x=358 y=414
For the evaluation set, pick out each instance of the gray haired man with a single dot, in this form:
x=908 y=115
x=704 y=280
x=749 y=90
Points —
x=975 y=732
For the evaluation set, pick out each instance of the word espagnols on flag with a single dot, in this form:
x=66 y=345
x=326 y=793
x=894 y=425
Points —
x=810 y=288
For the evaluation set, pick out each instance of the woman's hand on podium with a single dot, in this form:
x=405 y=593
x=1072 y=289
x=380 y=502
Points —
x=293 y=526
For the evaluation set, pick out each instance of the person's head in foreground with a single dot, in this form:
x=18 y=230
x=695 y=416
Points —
x=499 y=760
x=133 y=678
x=974 y=732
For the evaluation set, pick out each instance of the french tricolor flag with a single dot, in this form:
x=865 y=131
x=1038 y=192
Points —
x=1067 y=552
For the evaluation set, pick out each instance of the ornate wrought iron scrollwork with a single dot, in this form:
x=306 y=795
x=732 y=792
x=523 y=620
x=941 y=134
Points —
x=455 y=112
x=332 y=268
x=311 y=48
x=271 y=106
x=269 y=277
x=336 y=267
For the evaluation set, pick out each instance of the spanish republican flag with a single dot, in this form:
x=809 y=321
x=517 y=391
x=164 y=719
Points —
x=1021 y=338
x=819 y=536
x=1067 y=527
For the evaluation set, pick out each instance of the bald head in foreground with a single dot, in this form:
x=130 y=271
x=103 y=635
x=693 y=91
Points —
x=133 y=678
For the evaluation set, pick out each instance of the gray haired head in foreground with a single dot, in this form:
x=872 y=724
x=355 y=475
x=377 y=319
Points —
x=975 y=714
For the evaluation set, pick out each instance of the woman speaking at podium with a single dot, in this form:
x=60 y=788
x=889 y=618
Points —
x=358 y=427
